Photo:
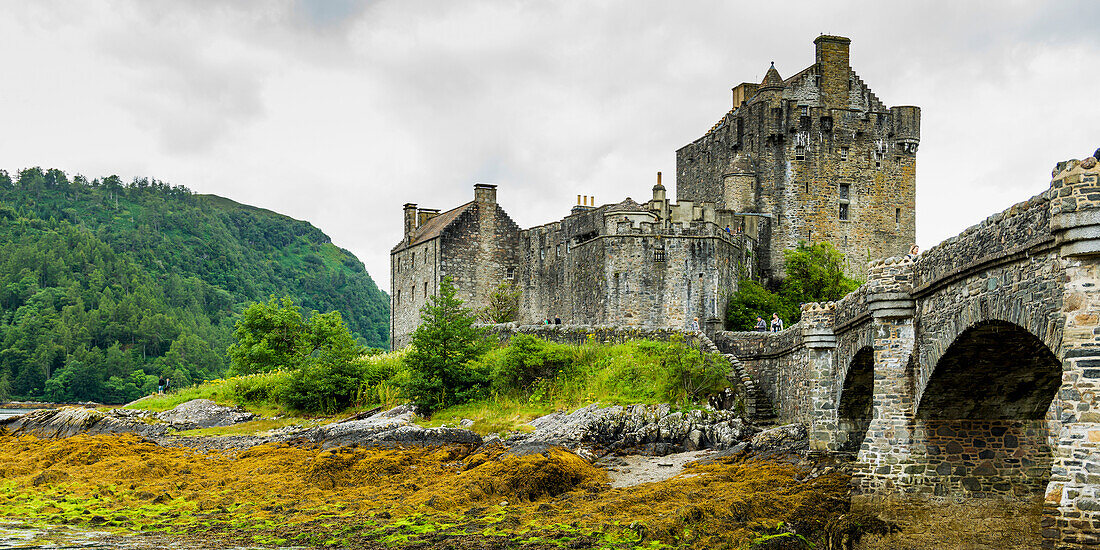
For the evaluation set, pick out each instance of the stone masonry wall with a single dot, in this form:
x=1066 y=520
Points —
x=779 y=365
x=478 y=250
x=1072 y=504
x=802 y=149
x=638 y=276
x=414 y=275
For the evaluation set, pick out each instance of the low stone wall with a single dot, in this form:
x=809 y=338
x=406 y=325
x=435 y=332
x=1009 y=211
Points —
x=604 y=334
x=779 y=365
x=1022 y=226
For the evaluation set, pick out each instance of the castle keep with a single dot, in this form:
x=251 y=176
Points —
x=815 y=157
x=818 y=156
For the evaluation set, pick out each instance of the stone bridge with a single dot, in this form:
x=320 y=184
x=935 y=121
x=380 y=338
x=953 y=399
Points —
x=970 y=371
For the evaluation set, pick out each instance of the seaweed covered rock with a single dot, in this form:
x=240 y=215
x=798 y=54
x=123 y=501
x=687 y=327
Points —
x=391 y=427
x=530 y=474
x=645 y=428
x=204 y=413
x=70 y=421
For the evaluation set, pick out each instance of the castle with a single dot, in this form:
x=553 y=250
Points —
x=815 y=157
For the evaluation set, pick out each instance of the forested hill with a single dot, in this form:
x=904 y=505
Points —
x=105 y=285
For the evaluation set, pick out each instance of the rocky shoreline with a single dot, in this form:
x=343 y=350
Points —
x=598 y=477
x=590 y=432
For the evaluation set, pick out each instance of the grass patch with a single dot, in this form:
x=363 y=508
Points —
x=534 y=378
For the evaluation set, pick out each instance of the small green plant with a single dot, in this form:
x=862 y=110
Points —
x=693 y=375
x=503 y=304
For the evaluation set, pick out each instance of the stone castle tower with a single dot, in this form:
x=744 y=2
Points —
x=817 y=157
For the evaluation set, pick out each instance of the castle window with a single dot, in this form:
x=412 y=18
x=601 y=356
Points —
x=511 y=273
x=659 y=254
x=425 y=289
x=542 y=253
x=800 y=152
x=897 y=218
x=804 y=110
x=845 y=197
x=843 y=153
x=397 y=299
x=412 y=259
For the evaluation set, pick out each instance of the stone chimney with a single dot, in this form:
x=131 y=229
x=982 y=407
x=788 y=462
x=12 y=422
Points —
x=410 y=219
x=425 y=214
x=834 y=69
x=659 y=190
x=485 y=193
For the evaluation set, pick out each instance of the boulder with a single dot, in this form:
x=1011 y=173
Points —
x=781 y=439
x=392 y=427
x=204 y=413
x=652 y=429
x=70 y=421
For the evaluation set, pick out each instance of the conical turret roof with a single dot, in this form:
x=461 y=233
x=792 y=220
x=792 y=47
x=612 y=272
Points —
x=772 y=79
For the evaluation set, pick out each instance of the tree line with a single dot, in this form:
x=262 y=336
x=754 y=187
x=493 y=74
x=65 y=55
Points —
x=107 y=289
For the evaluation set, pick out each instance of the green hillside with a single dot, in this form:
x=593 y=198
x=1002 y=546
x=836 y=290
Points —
x=106 y=287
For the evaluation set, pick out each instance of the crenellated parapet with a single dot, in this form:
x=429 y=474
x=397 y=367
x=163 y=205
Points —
x=1075 y=207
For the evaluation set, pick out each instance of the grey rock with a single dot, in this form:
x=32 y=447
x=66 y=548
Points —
x=204 y=413
x=653 y=429
x=70 y=421
x=781 y=439
x=391 y=427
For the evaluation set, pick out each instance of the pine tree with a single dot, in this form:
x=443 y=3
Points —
x=443 y=346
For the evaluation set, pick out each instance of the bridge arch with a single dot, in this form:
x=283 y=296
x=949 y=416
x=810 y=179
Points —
x=856 y=403
x=983 y=412
x=947 y=323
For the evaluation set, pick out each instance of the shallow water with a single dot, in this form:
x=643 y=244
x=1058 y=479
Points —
x=8 y=413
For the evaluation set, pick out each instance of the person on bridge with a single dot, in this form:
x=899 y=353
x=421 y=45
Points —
x=761 y=326
x=777 y=323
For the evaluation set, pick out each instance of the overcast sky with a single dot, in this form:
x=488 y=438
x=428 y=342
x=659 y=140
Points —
x=337 y=112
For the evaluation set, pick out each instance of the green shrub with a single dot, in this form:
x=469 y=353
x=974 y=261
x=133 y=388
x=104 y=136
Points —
x=258 y=389
x=527 y=359
x=693 y=376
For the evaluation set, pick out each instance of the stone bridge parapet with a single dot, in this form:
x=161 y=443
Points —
x=969 y=371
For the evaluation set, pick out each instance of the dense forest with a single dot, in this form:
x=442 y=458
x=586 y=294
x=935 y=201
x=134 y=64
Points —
x=107 y=288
